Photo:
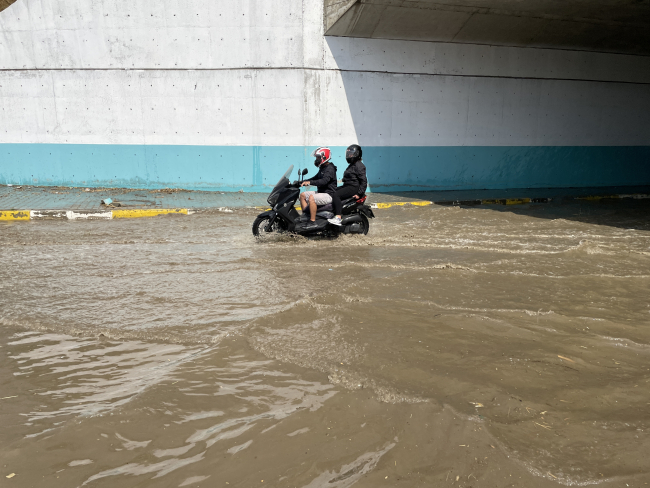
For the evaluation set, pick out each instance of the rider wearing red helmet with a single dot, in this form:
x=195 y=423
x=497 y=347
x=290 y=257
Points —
x=324 y=180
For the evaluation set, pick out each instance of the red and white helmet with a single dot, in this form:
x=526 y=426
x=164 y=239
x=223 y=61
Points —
x=322 y=153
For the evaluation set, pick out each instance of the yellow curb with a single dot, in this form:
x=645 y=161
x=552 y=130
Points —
x=517 y=201
x=266 y=209
x=421 y=203
x=146 y=212
x=506 y=201
x=14 y=214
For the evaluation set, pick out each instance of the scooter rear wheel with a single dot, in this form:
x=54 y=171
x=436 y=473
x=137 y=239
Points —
x=365 y=225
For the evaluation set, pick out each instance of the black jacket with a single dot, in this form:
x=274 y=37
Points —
x=325 y=179
x=355 y=175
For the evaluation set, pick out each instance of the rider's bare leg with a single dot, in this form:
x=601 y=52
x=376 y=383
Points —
x=303 y=202
x=312 y=208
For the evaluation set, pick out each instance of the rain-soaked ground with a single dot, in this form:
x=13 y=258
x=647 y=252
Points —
x=459 y=347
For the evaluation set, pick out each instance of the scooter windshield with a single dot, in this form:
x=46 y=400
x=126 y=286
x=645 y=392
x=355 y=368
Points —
x=284 y=181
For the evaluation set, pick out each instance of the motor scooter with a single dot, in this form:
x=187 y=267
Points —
x=283 y=217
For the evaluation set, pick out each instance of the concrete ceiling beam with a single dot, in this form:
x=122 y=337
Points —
x=596 y=25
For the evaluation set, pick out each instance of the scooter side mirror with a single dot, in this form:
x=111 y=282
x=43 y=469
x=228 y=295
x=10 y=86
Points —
x=305 y=171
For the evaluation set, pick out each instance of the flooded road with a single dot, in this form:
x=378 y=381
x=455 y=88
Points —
x=490 y=346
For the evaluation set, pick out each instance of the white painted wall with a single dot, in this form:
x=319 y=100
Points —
x=254 y=72
x=167 y=34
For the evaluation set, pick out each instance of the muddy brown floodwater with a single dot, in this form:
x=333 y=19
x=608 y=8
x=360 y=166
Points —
x=491 y=346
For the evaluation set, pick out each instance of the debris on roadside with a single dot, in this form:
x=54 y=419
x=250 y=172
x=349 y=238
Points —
x=168 y=190
x=109 y=202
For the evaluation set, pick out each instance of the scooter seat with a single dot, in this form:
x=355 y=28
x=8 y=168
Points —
x=352 y=199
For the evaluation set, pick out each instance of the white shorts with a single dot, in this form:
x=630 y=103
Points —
x=319 y=198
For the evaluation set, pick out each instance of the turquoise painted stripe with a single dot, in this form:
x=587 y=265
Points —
x=255 y=168
x=502 y=167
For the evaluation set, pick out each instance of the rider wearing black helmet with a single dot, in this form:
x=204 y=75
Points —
x=354 y=181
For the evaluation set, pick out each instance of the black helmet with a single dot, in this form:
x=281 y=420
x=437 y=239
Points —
x=353 y=153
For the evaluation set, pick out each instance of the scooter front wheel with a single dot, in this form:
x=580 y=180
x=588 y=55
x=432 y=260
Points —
x=262 y=227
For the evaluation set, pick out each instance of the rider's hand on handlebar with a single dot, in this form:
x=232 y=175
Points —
x=356 y=197
x=305 y=183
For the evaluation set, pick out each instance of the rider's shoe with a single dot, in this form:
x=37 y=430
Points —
x=335 y=221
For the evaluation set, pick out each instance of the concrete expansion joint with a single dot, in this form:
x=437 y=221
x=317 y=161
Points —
x=342 y=70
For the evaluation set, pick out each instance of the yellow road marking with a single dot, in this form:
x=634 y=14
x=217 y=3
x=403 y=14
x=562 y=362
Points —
x=14 y=214
x=517 y=201
x=506 y=201
x=146 y=212
x=400 y=204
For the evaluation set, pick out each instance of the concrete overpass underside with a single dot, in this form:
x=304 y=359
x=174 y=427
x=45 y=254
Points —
x=225 y=95
x=620 y=26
